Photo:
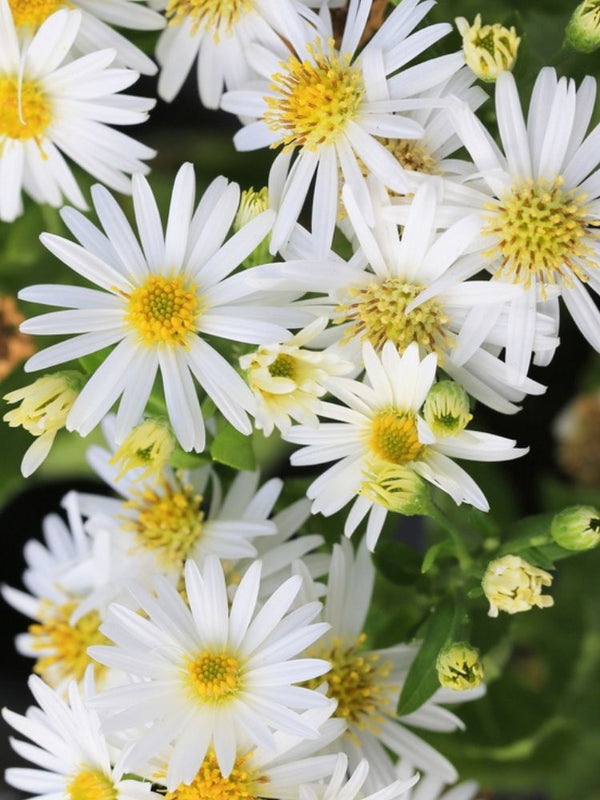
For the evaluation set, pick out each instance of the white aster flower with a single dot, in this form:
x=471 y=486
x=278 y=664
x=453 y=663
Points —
x=342 y=787
x=70 y=750
x=408 y=287
x=95 y=32
x=287 y=379
x=216 y=34
x=273 y=773
x=211 y=675
x=329 y=107
x=379 y=440
x=367 y=683
x=158 y=300
x=49 y=109
x=539 y=204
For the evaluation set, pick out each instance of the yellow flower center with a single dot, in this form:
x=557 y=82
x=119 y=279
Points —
x=214 y=677
x=411 y=155
x=64 y=645
x=163 y=310
x=34 y=12
x=91 y=784
x=358 y=681
x=377 y=312
x=168 y=520
x=282 y=367
x=541 y=234
x=394 y=437
x=243 y=783
x=314 y=100
x=217 y=16
x=24 y=109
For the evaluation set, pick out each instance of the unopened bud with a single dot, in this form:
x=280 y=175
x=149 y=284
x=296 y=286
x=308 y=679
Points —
x=148 y=446
x=511 y=584
x=446 y=409
x=576 y=528
x=583 y=29
x=489 y=49
x=458 y=667
x=396 y=488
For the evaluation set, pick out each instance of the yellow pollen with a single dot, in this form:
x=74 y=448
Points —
x=168 y=520
x=314 y=100
x=377 y=312
x=215 y=16
x=412 y=155
x=540 y=231
x=163 y=310
x=394 y=437
x=243 y=783
x=214 y=677
x=32 y=13
x=64 y=645
x=91 y=784
x=25 y=111
x=358 y=681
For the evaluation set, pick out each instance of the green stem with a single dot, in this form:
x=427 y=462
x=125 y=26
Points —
x=462 y=554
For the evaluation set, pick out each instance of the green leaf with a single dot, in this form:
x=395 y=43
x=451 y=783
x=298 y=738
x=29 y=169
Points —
x=422 y=680
x=232 y=448
x=398 y=562
x=182 y=460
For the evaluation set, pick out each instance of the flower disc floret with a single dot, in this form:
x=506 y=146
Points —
x=394 y=437
x=541 y=230
x=32 y=13
x=214 y=677
x=91 y=784
x=209 y=783
x=358 y=681
x=413 y=155
x=163 y=310
x=377 y=313
x=216 y=16
x=314 y=99
x=168 y=520
x=24 y=109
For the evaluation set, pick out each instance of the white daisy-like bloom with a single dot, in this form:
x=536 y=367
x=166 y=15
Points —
x=342 y=787
x=51 y=107
x=209 y=674
x=367 y=683
x=430 y=787
x=410 y=287
x=382 y=445
x=216 y=35
x=539 y=204
x=158 y=300
x=69 y=750
x=287 y=379
x=96 y=32
x=328 y=109
x=273 y=774
x=58 y=581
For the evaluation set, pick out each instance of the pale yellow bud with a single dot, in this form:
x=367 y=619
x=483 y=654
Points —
x=583 y=29
x=43 y=411
x=458 y=667
x=252 y=203
x=511 y=584
x=395 y=487
x=149 y=446
x=489 y=49
x=446 y=409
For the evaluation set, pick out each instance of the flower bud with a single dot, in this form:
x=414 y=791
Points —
x=583 y=29
x=511 y=584
x=489 y=49
x=396 y=488
x=252 y=204
x=446 y=409
x=45 y=405
x=148 y=446
x=458 y=667
x=576 y=528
